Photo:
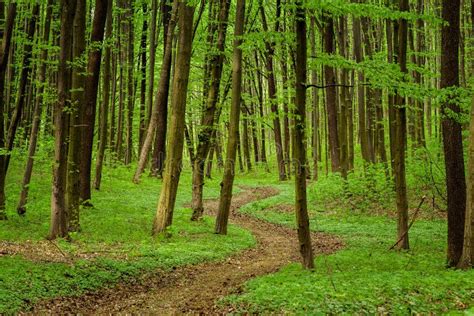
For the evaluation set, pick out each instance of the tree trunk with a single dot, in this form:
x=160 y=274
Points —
x=130 y=80
x=21 y=208
x=228 y=178
x=164 y=213
x=272 y=92
x=315 y=101
x=159 y=151
x=331 y=98
x=452 y=131
x=106 y=100
x=299 y=150
x=22 y=84
x=143 y=42
x=59 y=216
x=216 y=61
x=4 y=55
x=160 y=98
x=75 y=149
x=401 y=139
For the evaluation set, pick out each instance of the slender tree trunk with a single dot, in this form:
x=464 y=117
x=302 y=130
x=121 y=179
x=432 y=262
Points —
x=401 y=139
x=331 y=98
x=216 y=61
x=299 y=147
x=467 y=258
x=104 y=109
x=37 y=112
x=143 y=42
x=159 y=151
x=4 y=56
x=160 y=98
x=76 y=118
x=263 y=153
x=164 y=213
x=229 y=169
x=59 y=216
x=452 y=132
x=152 y=56
x=130 y=80
x=22 y=84
x=315 y=102
x=272 y=92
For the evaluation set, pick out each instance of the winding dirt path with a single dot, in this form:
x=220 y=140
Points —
x=196 y=289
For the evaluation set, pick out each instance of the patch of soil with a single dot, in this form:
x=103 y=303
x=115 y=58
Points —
x=196 y=289
x=38 y=251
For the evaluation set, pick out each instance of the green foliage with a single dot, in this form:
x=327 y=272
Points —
x=365 y=277
x=117 y=228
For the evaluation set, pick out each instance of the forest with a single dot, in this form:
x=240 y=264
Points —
x=237 y=157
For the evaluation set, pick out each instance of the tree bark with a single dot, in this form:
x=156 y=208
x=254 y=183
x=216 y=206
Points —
x=160 y=98
x=401 y=139
x=75 y=145
x=37 y=112
x=59 y=216
x=299 y=146
x=331 y=98
x=159 y=151
x=229 y=168
x=164 y=213
x=104 y=109
x=216 y=61
x=452 y=131
x=4 y=55
x=272 y=92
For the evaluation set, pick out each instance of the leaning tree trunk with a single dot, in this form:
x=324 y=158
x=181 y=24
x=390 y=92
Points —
x=452 y=131
x=90 y=96
x=164 y=213
x=299 y=150
x=159 y=150
x=160 y=98
x=59 y=218
x=229 y=169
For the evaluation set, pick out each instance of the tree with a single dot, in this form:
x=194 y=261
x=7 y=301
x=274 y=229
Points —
x=59 y=216
x=452 y=131
x=331 y=97
x=229 y=167
x=161 y=97
x=105 y=104
x=4 y=53
x=272 y=92
x=90 y=95
x=299 y=146
x=37 y=112
x=166 y=202
x=209 y=112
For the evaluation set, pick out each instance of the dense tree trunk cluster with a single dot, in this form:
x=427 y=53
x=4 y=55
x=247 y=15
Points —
x=301 y=89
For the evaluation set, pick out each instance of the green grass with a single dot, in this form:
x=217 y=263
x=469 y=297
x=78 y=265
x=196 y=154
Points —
x=365 y=277
x=119 y=223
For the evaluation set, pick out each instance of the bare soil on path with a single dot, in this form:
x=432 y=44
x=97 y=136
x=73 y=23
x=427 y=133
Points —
x=196 y=289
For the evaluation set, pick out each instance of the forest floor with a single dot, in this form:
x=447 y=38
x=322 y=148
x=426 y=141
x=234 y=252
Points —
x=198 y=288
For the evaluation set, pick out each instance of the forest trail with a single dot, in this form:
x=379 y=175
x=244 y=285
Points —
x=197 y=288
